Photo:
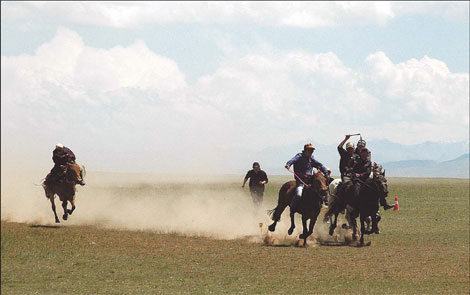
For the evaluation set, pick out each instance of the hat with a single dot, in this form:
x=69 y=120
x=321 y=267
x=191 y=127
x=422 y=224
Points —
x=255 y=164
x=349 y=145
x=59 y=145
x=308 y=146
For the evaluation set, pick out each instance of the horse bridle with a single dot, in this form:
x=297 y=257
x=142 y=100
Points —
x=374 y=187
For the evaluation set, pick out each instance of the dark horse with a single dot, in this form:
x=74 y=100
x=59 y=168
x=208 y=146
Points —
x=309 y=206
x=65 y=190
x=366 y=205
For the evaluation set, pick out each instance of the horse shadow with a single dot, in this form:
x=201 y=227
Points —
x=44 y=226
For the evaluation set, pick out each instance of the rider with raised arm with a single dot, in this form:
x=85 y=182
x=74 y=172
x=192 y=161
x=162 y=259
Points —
x=360 y=168
x=345 y=155
x=303 y=162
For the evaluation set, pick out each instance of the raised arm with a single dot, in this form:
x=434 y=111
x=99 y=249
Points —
x=344 y=141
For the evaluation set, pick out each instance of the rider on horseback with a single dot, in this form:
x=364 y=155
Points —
x=303 y=168
x=345 y=155
x=361 y=144
x=357 y=172
x=64 y=159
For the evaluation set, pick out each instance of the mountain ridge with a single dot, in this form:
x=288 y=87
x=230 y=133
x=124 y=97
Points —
x=417 y=160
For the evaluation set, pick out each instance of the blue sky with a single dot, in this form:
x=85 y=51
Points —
x=144 y=81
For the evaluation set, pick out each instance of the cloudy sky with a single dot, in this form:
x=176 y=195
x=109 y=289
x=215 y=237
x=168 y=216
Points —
x=183 y=86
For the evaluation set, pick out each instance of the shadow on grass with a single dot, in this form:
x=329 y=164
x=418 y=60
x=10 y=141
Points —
x=44 y=226
x=343 y=244
x=279 y=245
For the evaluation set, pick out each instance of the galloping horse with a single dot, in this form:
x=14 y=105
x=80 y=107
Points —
x=65 y=190
x=309 y=205
x=365 y=205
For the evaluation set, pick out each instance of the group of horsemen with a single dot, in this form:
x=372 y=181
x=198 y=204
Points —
x=355 y=166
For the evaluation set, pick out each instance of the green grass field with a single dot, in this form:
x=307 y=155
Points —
x=423 y=249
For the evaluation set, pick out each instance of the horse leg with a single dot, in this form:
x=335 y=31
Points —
x=73 y=207
x=51 y=198
x=292 y=224
x=304 y=225
x=313 y=220
x=375 y=223
x=272 y=227
x=363 y=229
x=294 y=206
x=276 y=216
x=333 y=225
x=368 y=221
x=64 y=205
x=354 y=227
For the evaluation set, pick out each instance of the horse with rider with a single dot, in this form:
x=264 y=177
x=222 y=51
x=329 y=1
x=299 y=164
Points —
x=362 y=188
x=304 y=194
x=63 y=178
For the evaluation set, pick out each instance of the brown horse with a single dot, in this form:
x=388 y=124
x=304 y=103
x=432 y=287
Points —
x=309 y=205
x=65 y=189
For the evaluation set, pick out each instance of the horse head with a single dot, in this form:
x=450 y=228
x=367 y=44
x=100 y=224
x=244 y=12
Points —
x=318 y=182
x=380 y=183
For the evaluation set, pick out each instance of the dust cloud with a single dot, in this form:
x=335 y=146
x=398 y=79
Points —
x=187 y=205
x=210 y=206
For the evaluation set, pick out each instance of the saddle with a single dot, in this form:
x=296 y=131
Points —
x=69 y=172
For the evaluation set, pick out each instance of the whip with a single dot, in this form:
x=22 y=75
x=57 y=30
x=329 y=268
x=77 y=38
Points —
x=297 y=176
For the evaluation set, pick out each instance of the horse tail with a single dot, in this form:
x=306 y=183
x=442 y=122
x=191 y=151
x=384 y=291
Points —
x=271 y=213
x=282 y=202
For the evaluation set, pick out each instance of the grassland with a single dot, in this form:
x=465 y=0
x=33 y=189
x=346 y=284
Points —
x=423 y=249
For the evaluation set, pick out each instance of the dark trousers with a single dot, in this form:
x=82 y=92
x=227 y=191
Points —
x=257 y=195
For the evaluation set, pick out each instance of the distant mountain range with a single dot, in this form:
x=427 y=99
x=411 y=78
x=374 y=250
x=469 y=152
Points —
x=456 y=168
x=429 y=159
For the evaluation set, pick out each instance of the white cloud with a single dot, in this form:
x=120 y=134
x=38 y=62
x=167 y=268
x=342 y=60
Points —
x=129 y=106
x=425 y=89
x=296 y=14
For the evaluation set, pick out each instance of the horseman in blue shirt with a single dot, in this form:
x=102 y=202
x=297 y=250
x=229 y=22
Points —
x=303 y=167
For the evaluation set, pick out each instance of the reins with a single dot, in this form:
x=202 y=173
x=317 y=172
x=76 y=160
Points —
x=373 y=187
x=298 y=177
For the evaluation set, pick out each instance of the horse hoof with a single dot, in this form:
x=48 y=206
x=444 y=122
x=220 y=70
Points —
x=65 y=217
x=332 y=230
x=290 y=231
x=302 y=236
x=57 y=220
x=272 y=227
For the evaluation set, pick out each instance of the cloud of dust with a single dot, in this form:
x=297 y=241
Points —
x=137 y=202
x=124 y=201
